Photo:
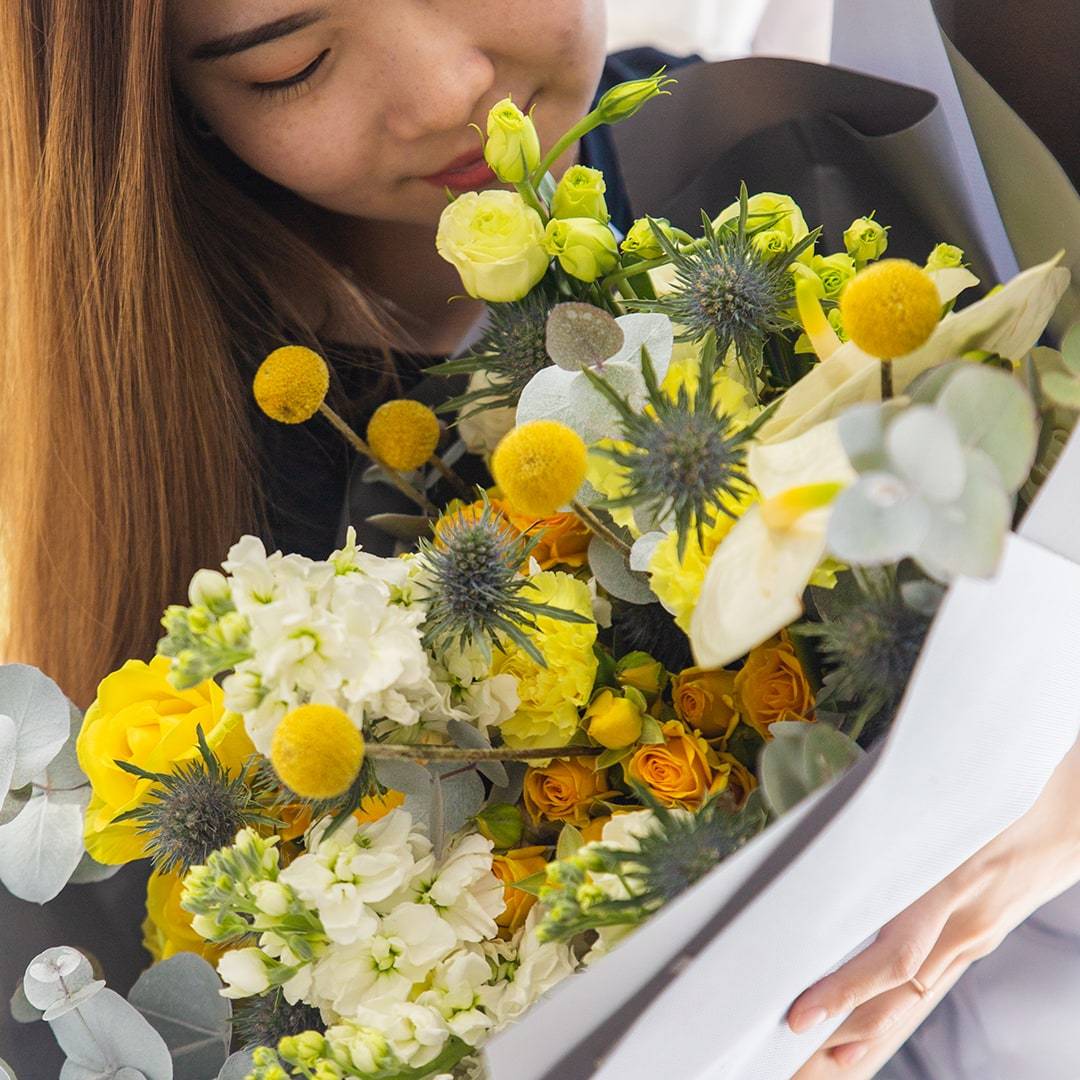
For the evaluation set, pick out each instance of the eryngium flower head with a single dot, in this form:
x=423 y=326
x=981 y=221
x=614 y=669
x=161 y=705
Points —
x=475 y=591
x=729 y=289
x=681 y=456
x=268 y=1018
x=678 y=849
x=869 y=645
x=511 y=351
x=192 y=811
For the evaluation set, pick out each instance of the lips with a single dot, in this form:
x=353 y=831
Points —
x=465 y=173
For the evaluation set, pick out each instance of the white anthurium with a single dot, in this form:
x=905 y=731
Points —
x=1007 y=322
x=755 y=581
x=567 y=396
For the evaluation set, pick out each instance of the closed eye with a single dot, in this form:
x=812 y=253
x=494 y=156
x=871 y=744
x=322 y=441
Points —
x=293 y=82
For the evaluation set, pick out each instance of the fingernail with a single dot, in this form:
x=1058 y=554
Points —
x=849 y=1055
x=804 y=1021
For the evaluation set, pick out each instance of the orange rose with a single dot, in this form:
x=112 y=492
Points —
x=564 y=791
x=740 y=780
x=514 y=866
x=772 y=686
x=679 y=771
x=705 y=699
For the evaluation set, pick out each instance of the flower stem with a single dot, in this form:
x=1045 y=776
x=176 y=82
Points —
x=451 y=477
x=886 y=380
x=578 y=131
x=597 y=527
x=362 y=447
x=527 y=190
x=616 y=277
x=423 y=754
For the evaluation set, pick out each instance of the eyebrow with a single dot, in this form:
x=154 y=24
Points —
x=258 y=35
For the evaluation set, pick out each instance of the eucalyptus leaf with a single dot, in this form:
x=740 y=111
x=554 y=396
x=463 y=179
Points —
x=612 y=573
x=407 y=527
x=801 y=758
x=22 y=1011
x=925 y=450
x=90 y=871
x=469 y=737
x=407 y=777
x=41 y=715
x=58 y=980
x=6 y=1071
x=781 y=772
x=511 y=791
x=106 y=1035
x=570 y=842
x=1070 y=348
x=12 y=806
x=581 y=335
x=992 y=412
x=9 y=734
x=180 y=997
x=237 y=1066
x=1062 y=389
x=42 y=845
x=827 y=753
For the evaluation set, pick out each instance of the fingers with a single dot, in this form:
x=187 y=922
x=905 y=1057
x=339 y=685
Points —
x=876 y=1017
x=892 y=960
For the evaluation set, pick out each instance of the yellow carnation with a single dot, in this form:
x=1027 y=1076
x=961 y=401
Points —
x=551 y=696
x=729 y=395
x=139 y=718
x=677 y=583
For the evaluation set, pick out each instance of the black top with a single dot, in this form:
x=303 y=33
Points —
x=306 y=467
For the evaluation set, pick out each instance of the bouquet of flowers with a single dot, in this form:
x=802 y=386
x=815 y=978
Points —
x=395 y=800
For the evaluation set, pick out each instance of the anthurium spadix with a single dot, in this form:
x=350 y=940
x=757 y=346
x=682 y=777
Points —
x=555 y=393
x=1007 y=322
x=755 y=581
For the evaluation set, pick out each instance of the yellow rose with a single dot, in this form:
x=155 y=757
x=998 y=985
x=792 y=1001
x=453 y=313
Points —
x=580 y=194
x=772 y=686
x=705 y=699
x=552 y=694
x=641 y=672
x=773 y=212
x=496 y=242
x=167 y=926
x=564 y=790
x=139 y=718
x=512 y=148
x=613 y=722
x=679 y=771
x=514 y=866
x=586 y=249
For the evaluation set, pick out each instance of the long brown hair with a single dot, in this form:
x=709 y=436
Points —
x=133 y=274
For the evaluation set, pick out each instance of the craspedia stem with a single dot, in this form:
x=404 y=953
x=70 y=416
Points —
x=451 y=477
x=422 y=754
x=598 y=528
x=362 y=447
x=886 y=380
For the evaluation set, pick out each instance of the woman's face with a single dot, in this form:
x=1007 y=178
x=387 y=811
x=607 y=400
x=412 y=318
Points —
x=375 y=95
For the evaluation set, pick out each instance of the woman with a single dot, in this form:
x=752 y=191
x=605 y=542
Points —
x=186 y=185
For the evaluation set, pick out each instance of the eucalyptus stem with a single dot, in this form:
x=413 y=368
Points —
x=596 y=526
x=362 y=447
x=423 y=754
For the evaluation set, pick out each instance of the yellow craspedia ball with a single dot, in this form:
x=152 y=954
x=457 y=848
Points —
x=891 y=308
x=540 y=466
x=291 y=384
x=317 y=751
x=403 y=434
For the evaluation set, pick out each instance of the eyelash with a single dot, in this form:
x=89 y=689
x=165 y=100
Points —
x=294 y=83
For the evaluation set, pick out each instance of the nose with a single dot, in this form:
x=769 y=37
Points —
x=438 y=76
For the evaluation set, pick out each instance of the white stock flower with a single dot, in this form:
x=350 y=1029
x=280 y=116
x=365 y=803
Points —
x=455 y=994
x=243 y=971
x=462 y=888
